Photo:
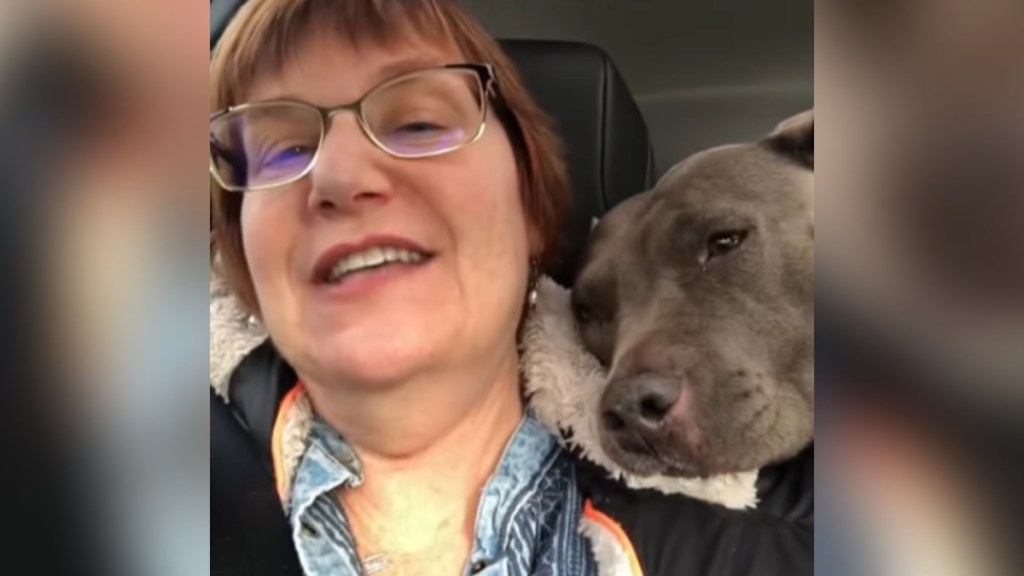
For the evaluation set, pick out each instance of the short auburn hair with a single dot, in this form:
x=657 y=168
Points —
x=262 y=39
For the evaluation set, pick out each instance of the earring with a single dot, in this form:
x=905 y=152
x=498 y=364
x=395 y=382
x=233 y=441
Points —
x=531 y=296
x=253 y=323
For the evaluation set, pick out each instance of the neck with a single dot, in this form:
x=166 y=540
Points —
x=426 y=450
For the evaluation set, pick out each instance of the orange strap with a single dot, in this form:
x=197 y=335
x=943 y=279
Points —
x=280 y=477
x=617 y=532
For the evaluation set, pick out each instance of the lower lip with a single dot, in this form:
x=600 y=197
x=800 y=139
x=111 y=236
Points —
x=367 y=282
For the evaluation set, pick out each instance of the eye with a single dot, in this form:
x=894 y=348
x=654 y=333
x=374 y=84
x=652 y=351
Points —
x=289 y=154
x=419 y=128
x=721 y=243
x=583 y=313
x=284 y=158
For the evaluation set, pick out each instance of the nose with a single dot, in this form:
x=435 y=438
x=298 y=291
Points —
x=642 y=402
x=349 y=172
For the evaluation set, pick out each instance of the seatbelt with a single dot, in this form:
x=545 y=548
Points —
x=249 y=533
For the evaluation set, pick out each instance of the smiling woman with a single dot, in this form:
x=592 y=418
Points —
x=264 y=38
x=380 y=206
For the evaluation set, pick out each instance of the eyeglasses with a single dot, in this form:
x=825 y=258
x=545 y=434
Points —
x=424 y=113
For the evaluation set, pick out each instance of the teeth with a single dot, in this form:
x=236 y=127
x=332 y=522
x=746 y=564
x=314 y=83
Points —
x=372 y=258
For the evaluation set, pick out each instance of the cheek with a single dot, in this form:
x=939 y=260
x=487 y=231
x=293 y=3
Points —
x=490 y=207
x=266 y=228
x=495 y=218
x=599 y=339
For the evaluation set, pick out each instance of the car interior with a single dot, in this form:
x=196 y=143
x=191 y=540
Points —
x=633 y=87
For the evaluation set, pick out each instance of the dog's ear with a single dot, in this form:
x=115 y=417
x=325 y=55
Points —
x=794 y=137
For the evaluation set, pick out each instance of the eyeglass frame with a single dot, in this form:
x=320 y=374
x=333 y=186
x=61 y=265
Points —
x=487 y=83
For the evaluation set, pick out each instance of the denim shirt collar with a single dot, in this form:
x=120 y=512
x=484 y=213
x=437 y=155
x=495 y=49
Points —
x=528 y=456
x=527 y=516
x=329 y=463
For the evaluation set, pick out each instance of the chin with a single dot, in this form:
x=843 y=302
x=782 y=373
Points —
x=372 y=357
x=645 y=465
x=371 y=345
x=645 y=459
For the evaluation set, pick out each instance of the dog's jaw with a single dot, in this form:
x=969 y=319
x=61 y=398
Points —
x=564 y=384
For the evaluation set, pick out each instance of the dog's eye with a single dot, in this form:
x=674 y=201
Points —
x=583 y=313
x=721 y=243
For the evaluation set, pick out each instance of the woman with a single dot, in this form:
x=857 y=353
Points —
x=388 y=249
x=386 y=194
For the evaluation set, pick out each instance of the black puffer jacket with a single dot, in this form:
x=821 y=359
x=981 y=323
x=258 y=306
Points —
x=678 y=535
x=672 y=534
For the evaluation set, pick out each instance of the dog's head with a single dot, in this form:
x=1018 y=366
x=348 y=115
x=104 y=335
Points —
x=698 y=298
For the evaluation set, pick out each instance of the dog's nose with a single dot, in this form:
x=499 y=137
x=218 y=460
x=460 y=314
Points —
x=642 y=402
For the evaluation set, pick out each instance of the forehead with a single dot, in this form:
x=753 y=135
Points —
x=732 y=179
x=618 y=227
x=327 y=69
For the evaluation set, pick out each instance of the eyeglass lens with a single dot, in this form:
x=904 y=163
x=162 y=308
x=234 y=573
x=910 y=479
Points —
x=420 y=114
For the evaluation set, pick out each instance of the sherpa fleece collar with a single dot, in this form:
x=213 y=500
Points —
x=563 y=381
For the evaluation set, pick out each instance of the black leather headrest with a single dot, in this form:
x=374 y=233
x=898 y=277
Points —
x=221 y=13
x=610 y=154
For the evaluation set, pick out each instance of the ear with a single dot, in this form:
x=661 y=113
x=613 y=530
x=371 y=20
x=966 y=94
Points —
x=794 y=137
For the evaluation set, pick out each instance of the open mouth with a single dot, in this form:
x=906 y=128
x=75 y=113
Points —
x=371 y=260
x=349 y=264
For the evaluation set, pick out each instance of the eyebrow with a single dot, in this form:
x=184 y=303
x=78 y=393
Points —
x=387 y=72
x=405 y=65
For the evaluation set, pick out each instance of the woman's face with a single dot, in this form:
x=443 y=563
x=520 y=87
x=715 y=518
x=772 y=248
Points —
x=457 y=309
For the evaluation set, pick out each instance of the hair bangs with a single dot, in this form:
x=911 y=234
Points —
x=270 y=37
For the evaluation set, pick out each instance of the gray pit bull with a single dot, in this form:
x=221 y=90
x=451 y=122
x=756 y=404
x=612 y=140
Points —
x=698 y=297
